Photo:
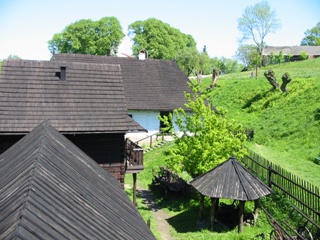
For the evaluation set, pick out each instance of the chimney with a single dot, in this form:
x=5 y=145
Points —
x=142 y=55
x=63 y=72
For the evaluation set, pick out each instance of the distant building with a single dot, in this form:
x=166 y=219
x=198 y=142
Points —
x=293 y=51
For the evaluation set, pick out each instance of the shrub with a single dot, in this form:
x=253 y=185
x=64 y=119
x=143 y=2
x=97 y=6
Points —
x=304 y=55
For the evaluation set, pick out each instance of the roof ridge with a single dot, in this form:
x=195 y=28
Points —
x=31 y=179
x=236 y=167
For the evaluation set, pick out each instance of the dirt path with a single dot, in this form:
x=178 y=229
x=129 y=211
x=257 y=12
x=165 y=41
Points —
x=163 y=227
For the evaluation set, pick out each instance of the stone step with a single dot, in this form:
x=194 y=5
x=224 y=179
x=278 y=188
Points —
x=155 y=146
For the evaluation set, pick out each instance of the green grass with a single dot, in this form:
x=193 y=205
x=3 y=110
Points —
x=287 y=125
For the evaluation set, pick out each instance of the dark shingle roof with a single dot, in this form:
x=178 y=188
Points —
x=50 y=189
x=149 y=84
x=231 y=180
x=90 y=100
x=293 y=50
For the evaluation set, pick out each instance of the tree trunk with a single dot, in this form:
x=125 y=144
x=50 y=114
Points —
x=285 y=80
x=271 y=78
x=199 y=77
x=215 y=74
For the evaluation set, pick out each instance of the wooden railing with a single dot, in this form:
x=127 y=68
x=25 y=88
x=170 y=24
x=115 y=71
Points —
x=152 y=138
x=133 y=157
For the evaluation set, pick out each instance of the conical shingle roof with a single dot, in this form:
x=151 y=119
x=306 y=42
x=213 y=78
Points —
x=231 y=180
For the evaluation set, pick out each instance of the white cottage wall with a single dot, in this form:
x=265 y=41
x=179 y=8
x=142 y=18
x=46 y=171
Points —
x=147 y=119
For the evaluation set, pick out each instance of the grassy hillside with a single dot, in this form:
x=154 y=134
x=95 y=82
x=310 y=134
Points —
x=286 y=125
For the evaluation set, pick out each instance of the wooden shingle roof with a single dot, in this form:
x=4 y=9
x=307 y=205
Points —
x=231 y=180
x=91 y=99
x=50 y=189
x=149 y=84
x=292 y=50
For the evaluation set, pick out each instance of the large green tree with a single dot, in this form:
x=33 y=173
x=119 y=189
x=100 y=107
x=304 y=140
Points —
x=312 y=36
x=188 y=60
x=204 y=63
x=85 y=36
x=208 y=138
x=257 y=22
x=159 y=39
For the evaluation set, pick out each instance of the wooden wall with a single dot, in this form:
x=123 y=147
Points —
x=6 y=141
x=106 y=149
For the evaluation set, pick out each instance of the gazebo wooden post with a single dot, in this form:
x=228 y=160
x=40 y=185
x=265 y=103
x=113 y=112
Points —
x=256 y=211
x=201 y=211
x=241 y=214
x=135 y=189
x=213 y=212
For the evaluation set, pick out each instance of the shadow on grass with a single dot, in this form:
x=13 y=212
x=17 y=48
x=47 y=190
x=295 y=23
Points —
x=187 y=209
x=255 y=99
x=187 y=221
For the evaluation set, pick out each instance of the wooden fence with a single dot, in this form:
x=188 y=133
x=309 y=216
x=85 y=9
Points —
x=303 y=194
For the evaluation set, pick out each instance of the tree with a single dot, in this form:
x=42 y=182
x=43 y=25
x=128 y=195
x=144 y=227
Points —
x=188 y=60
x=285 y=80
x=207 y=138
x=312 y=36
x=215 y=74
x=159 y=39
x=85 y=36
x=13 y=57
x=228 y=65
x=243 y=53
x=204 y=63
x=257 y=22
x=271 y=77
x=280 y=57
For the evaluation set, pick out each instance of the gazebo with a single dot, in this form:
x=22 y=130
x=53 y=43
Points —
x=231 y=180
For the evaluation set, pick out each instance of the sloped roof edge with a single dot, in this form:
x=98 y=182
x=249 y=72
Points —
x=231 y=180
x=50 y=189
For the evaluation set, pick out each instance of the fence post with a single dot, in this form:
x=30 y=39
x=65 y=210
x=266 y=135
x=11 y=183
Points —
x=269 y=175
x=151 y=141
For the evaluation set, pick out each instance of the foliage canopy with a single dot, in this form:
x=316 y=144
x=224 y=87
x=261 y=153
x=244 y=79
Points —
x=159 y=39
x=207 y=138
x=85 y=36
x=312 y=36
x=187 y=60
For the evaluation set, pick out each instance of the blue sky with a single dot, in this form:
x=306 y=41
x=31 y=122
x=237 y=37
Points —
x=27 y=25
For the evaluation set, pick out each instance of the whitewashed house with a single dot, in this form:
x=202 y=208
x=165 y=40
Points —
x=152 y=87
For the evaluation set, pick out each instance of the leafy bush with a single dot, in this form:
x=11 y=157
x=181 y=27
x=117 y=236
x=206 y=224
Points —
x=304 y=55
